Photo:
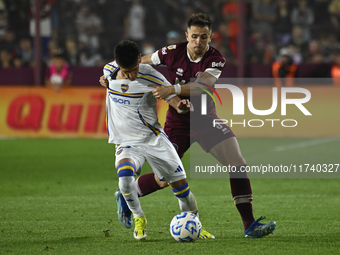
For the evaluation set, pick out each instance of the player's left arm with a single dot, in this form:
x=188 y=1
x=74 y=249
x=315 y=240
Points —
x=182 y=106
x=188 y=89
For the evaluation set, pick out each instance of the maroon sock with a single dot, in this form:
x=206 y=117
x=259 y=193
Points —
x=242 y=194
x=146 y=184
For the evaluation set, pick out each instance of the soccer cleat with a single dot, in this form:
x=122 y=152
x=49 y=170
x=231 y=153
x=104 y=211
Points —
x=205 y=234
x=124 y=213
x=258 y=230
x=140 y=228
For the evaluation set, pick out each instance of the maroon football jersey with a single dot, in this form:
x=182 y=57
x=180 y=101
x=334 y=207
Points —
x=181 y=69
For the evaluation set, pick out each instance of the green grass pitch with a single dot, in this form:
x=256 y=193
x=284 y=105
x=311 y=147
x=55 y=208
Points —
x=57 y=197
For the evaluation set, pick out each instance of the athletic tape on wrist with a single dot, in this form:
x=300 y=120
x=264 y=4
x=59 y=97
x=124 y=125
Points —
x=177 y=89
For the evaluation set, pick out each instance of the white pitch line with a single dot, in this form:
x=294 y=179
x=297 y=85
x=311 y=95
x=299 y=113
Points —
x=305 y=144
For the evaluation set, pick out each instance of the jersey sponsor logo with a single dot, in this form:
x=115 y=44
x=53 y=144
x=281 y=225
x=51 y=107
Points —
x=180 y=71
x=164 y=51
x=171 y=47
x=219 y=64
x=119 y=100
x=124 y=87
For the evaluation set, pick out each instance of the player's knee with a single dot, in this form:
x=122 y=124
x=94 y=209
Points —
x=237 y=161
x=241 y=161
x=126 y=184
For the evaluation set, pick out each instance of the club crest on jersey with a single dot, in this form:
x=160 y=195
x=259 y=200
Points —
x=124 y=87
x=180 y=71
x=119 y=152
x=198 y=74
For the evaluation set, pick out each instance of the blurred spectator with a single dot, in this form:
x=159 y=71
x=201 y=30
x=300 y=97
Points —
x=71 y=52
x=335 y=70
x=26 y=52
x=18 y=16
x=295 y=54
x=230 y=13
x=284 y=70
x=3 y=24
x=148 y=48
x=314 y=53
x=162 y=23
x=89 y=27
x=303 y=16
x=330 y=46
x=57 y=74
x=88 y=59
x=53 y=49
x=5 y=59
x=188 y=11
x=269 y=54
x=264 y=17
x=10 y=43
x=171 y=11
x=46 y=28
x=321 y=13
x=67 y=11
x=334 y=10
x=283 y=25
x=172 y=37
x=256 y=46
x=298 y=43
x=2 y=5
x=17 y=61
x=220 y=41
x=134 y=23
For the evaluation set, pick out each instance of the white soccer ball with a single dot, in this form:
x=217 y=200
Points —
x=185 y=227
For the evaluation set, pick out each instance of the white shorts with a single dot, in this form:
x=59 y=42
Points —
x=159 y=153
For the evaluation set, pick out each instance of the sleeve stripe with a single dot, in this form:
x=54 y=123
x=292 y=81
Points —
x=150 y=80
x=151 y=76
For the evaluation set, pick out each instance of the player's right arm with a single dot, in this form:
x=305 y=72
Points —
x=207 y=79
x=103 y=81
x=109 y=71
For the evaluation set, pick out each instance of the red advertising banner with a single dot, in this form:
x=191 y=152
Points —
x=43 y=112
x=80 y=112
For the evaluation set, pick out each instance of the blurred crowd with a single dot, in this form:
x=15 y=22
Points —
x=84 y=32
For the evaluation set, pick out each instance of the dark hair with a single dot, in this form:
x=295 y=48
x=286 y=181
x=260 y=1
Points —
x=200 y=20
x=126 y=54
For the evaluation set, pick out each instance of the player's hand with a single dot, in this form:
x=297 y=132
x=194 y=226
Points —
x=162 y=92
x=104 y=82
x=184 y=106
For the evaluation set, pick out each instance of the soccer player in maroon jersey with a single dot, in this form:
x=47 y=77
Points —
x=196 y=59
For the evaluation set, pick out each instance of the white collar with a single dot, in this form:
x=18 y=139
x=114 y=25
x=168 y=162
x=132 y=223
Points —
x=197 y=60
